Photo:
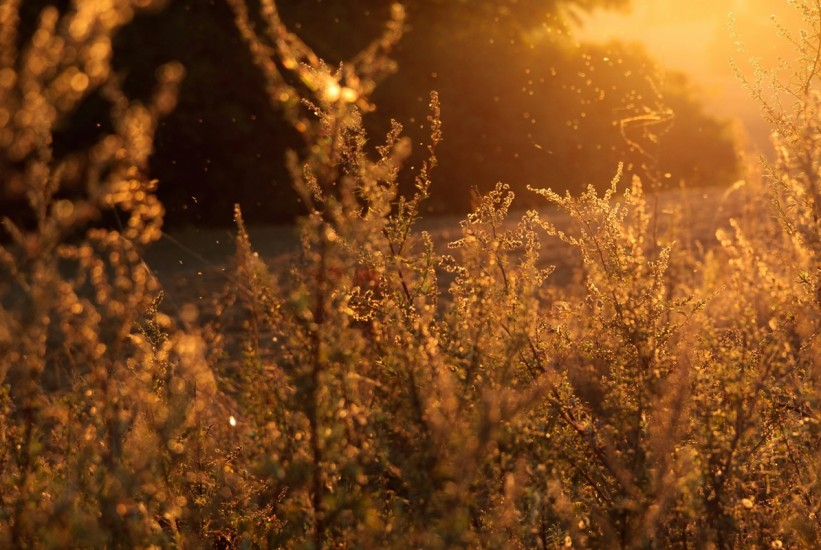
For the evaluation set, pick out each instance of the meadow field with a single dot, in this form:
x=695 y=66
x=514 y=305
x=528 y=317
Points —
x=193 y=263
x=635 y=365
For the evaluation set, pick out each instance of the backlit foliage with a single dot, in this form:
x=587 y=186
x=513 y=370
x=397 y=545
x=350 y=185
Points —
x=96 y=397
x=386 y=391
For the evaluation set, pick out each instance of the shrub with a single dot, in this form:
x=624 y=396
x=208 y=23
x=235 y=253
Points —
x=99 y=394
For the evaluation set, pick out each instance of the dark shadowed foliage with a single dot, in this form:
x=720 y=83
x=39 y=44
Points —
x=521 y=102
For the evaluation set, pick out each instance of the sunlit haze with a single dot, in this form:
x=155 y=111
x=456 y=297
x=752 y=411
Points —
x=695 y=37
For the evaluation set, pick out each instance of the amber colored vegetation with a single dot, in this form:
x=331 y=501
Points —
x=667 y=397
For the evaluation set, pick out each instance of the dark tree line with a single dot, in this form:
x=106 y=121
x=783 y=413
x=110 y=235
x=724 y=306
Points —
x=521 y=103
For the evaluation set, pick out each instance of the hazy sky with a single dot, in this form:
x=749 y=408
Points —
x=694 y=36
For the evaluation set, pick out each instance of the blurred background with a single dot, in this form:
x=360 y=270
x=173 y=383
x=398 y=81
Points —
x=699 y=38
x=547 y=93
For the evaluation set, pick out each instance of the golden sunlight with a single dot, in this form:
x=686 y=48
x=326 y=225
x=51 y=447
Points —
x=699 y=38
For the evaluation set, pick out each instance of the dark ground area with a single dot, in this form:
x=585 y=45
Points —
x=194 y=264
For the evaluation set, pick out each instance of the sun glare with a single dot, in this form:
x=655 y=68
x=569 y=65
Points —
x=698 y=38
